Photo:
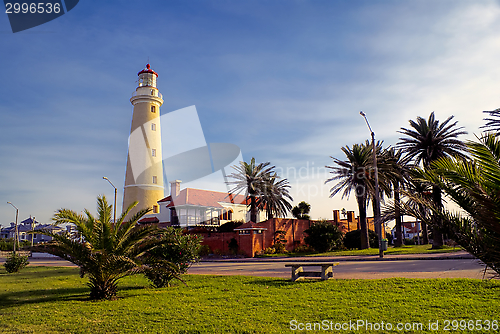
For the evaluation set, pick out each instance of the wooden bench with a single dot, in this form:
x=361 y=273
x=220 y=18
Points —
x=298 y=271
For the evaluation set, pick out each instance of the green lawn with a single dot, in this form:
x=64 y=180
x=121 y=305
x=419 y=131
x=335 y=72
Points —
x=54 y=300
x=417 y=249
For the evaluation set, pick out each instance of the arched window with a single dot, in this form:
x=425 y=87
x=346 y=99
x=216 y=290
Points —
x=230 y=214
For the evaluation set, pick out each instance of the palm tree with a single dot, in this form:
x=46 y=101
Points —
x=492 y=124
x=427 y=141
x=274 y=196
x=474 y=185
x=352 y=175
x=251 y=179
x=104 y=251
x=301 y=210
x=395 y=168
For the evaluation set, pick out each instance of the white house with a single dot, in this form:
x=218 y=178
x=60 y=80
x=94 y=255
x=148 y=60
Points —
x=200 y=208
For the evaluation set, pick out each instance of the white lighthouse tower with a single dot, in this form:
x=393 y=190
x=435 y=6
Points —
x=144 y=174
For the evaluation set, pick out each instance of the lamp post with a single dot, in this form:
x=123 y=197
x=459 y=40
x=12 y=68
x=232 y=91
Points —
x=16 y=235
x=114 y=206
x=376 y=214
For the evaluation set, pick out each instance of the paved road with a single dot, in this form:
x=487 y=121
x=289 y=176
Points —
x=408 y=267
x=460 y=268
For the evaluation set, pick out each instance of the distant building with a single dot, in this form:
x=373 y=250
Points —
x=27 y=226
x=409 y=230
x=200 y=208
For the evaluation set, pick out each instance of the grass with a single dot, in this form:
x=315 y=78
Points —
x=54 y=300
x=417 y=249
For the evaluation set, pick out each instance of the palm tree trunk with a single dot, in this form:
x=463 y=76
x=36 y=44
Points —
x=437 y=236
x=425 y=234
x=253 y=210
x=397 y=211
x=365 y=241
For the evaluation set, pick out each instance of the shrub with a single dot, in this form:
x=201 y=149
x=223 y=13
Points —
x=352 y=239
x=233 y=246
x=280 y=241
x=15 y=262
x=205 y=250
x=7 y=245
x=323 y=236
x=173 y=258
x=303 y=249
x=410 y=242
x=270 y=250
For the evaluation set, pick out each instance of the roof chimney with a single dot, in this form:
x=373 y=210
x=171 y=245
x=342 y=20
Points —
x=175 y=188
x=336 y=214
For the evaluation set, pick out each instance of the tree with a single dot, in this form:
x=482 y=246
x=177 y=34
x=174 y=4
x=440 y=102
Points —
x=492 y=124
x=396 y=168
x=474 y=185
x=301 y=210
x=263 y=189
x=323 y=236
x=427 y=141
x=251 y=179
x=105 y=252
x=352 y=175
x=274 y=196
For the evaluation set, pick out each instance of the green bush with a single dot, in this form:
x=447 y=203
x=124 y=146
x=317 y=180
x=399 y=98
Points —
x=323 y=236
x=15 y=262
x=7 y=245
x=173 y=258
x=352 y=239
x=303 y=249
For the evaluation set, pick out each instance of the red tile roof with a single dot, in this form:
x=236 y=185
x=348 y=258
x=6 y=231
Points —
x=166 y=199
x=149 y=220
x=206 y=198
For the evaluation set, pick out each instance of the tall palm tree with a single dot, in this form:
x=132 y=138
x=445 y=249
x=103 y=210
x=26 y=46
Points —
x=104 y=251
x=352 y=175
x=474 y=185
x=396 y=168
x=251 y=179
x=492 y=124
x=425 y=142
x=275 y=196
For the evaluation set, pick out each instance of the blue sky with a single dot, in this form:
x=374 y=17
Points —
x=283 y=80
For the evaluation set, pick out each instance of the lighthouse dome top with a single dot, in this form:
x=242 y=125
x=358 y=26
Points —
x=148 y=69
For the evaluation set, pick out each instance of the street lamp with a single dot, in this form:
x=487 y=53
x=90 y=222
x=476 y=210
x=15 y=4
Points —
x=376 y=214
x=16 y=235
x=114 y=206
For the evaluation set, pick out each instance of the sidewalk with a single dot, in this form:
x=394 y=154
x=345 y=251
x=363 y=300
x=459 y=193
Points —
x=399 y=257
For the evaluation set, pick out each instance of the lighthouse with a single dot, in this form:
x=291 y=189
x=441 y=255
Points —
x=144 y=173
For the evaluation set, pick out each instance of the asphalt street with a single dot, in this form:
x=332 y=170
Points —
x=413 y=266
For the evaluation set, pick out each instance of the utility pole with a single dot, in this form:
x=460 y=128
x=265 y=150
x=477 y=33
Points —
x=376 y=214
x=16 y=235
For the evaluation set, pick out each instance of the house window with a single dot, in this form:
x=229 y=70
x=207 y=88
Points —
x=230 y=215
x=155 y=179
x=153 y=108
x=153 y=152
x=155 y=209
x=153 y=127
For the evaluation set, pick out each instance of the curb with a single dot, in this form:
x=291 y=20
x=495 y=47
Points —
x=345 y=258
